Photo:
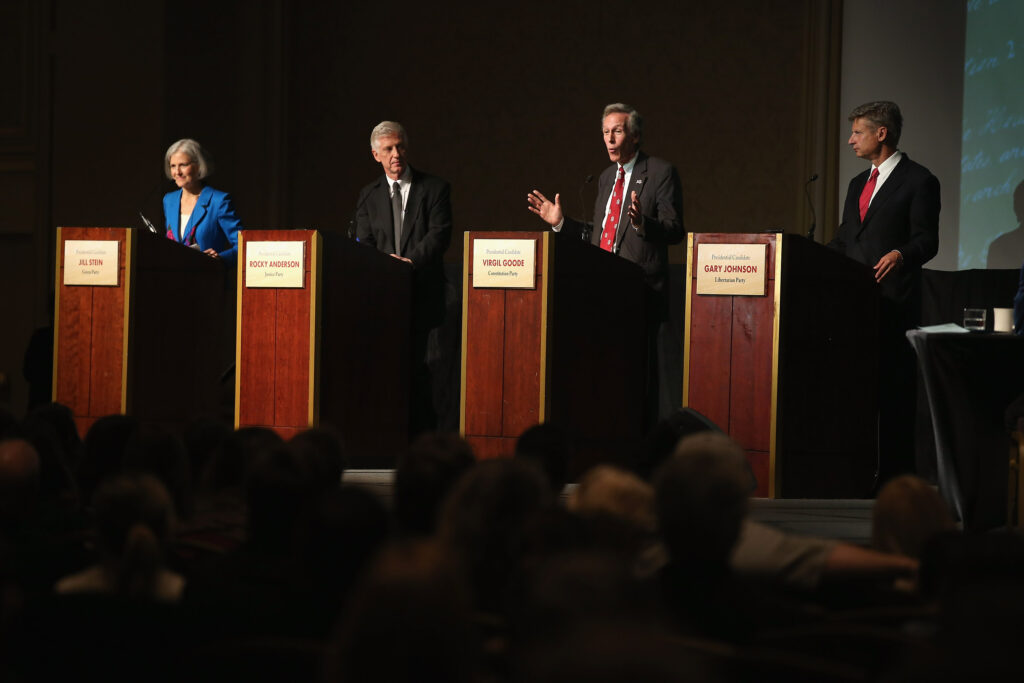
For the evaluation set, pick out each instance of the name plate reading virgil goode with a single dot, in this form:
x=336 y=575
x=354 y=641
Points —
x=275 y=264
x=732 y=269
x=509 y=264
x=91 y=262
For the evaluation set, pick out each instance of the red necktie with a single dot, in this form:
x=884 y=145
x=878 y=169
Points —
x=611 y=223
x=865 y=195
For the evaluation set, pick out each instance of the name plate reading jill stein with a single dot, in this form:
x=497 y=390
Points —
x=91 y=262
x=732 y=269
x=275 y=264
x=506 y=264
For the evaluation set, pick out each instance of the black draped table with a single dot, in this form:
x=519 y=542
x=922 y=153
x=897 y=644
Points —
x=970 y=380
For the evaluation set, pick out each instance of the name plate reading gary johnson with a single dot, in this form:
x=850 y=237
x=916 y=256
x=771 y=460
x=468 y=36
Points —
x=91 y=262
x=275 y=264
x=732 y=269
x=507 y=264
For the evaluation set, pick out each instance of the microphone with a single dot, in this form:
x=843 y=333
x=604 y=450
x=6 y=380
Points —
x=145 y=221
x=148 y=224
x=807 y=193
x=585 y=233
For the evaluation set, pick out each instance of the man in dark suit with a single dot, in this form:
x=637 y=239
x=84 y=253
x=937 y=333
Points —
x=638 y=213
x=408 y=214
x=891 y=223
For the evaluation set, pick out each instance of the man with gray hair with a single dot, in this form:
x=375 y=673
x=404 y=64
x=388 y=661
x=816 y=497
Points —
x=408 y=214
x=638 y=213
x=639 y=207
x=891 y=223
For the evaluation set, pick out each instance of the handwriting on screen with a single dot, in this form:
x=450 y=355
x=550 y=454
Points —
x=992 y=148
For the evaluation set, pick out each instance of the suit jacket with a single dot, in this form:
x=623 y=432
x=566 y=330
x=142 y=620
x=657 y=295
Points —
x=660 y=194
x=213 y=224
x=426 y=233
x=904 y=215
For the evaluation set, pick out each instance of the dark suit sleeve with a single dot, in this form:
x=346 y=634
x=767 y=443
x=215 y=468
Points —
x=438 y=216
x=665 y=226
x=850 y=216
x=364 y=231
x=923 y=239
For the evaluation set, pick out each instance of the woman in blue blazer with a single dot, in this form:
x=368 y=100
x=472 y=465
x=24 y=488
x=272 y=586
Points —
x=195 y=214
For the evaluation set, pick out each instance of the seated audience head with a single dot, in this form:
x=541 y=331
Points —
x=19 y=479
x=662 y=440
x=409 y=620
x=60 y=419
x=907 y=514
x=134 y=518
x=204 y=438
x=339 y=535
x=606 y=490
x=548 y=445
x=277 y=489
x=159 y=451
x=322 y=450
x=103 y=453
x=485 y=520
x=423 y=477
x=227 y=471
x=701 y=498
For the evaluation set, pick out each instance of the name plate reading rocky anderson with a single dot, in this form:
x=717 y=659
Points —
x=91 y=262
x=509 y=264
x=732 y=269
x=275 y=264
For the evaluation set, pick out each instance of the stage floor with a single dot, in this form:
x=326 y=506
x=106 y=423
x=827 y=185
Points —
x=845 y=520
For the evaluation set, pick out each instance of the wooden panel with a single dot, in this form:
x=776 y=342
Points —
x=731 y=346
x=750 y=396
x=521 y=373
x=107 y=348
x=90 y=343
x=255 y=372
x=274 y=365
x=291 y=356
x=74 y=357
x=485 y=344
x=710 y=356
x=491 y=447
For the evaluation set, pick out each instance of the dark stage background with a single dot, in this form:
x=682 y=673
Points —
x=741 y=95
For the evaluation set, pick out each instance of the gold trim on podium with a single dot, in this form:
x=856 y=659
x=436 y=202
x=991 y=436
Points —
x=240 y=277
x=56 y=309
x=316 y=258
x=127 y=321
x=545 y=321
x=687 y=286
x=774 y=483
x=465 y=333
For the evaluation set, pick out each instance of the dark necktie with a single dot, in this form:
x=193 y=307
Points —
x=396 y=215
x=865 y=195
x=611 y=222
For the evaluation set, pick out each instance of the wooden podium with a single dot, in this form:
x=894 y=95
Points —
x=146 y=344
x=568 y=349
x=333 y=351
x=790 y=373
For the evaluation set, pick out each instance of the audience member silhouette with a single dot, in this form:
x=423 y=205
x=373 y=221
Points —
x=547 y=444
x=424 y=475
x=484 y=522
x=409 y=621
x=134 y=519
